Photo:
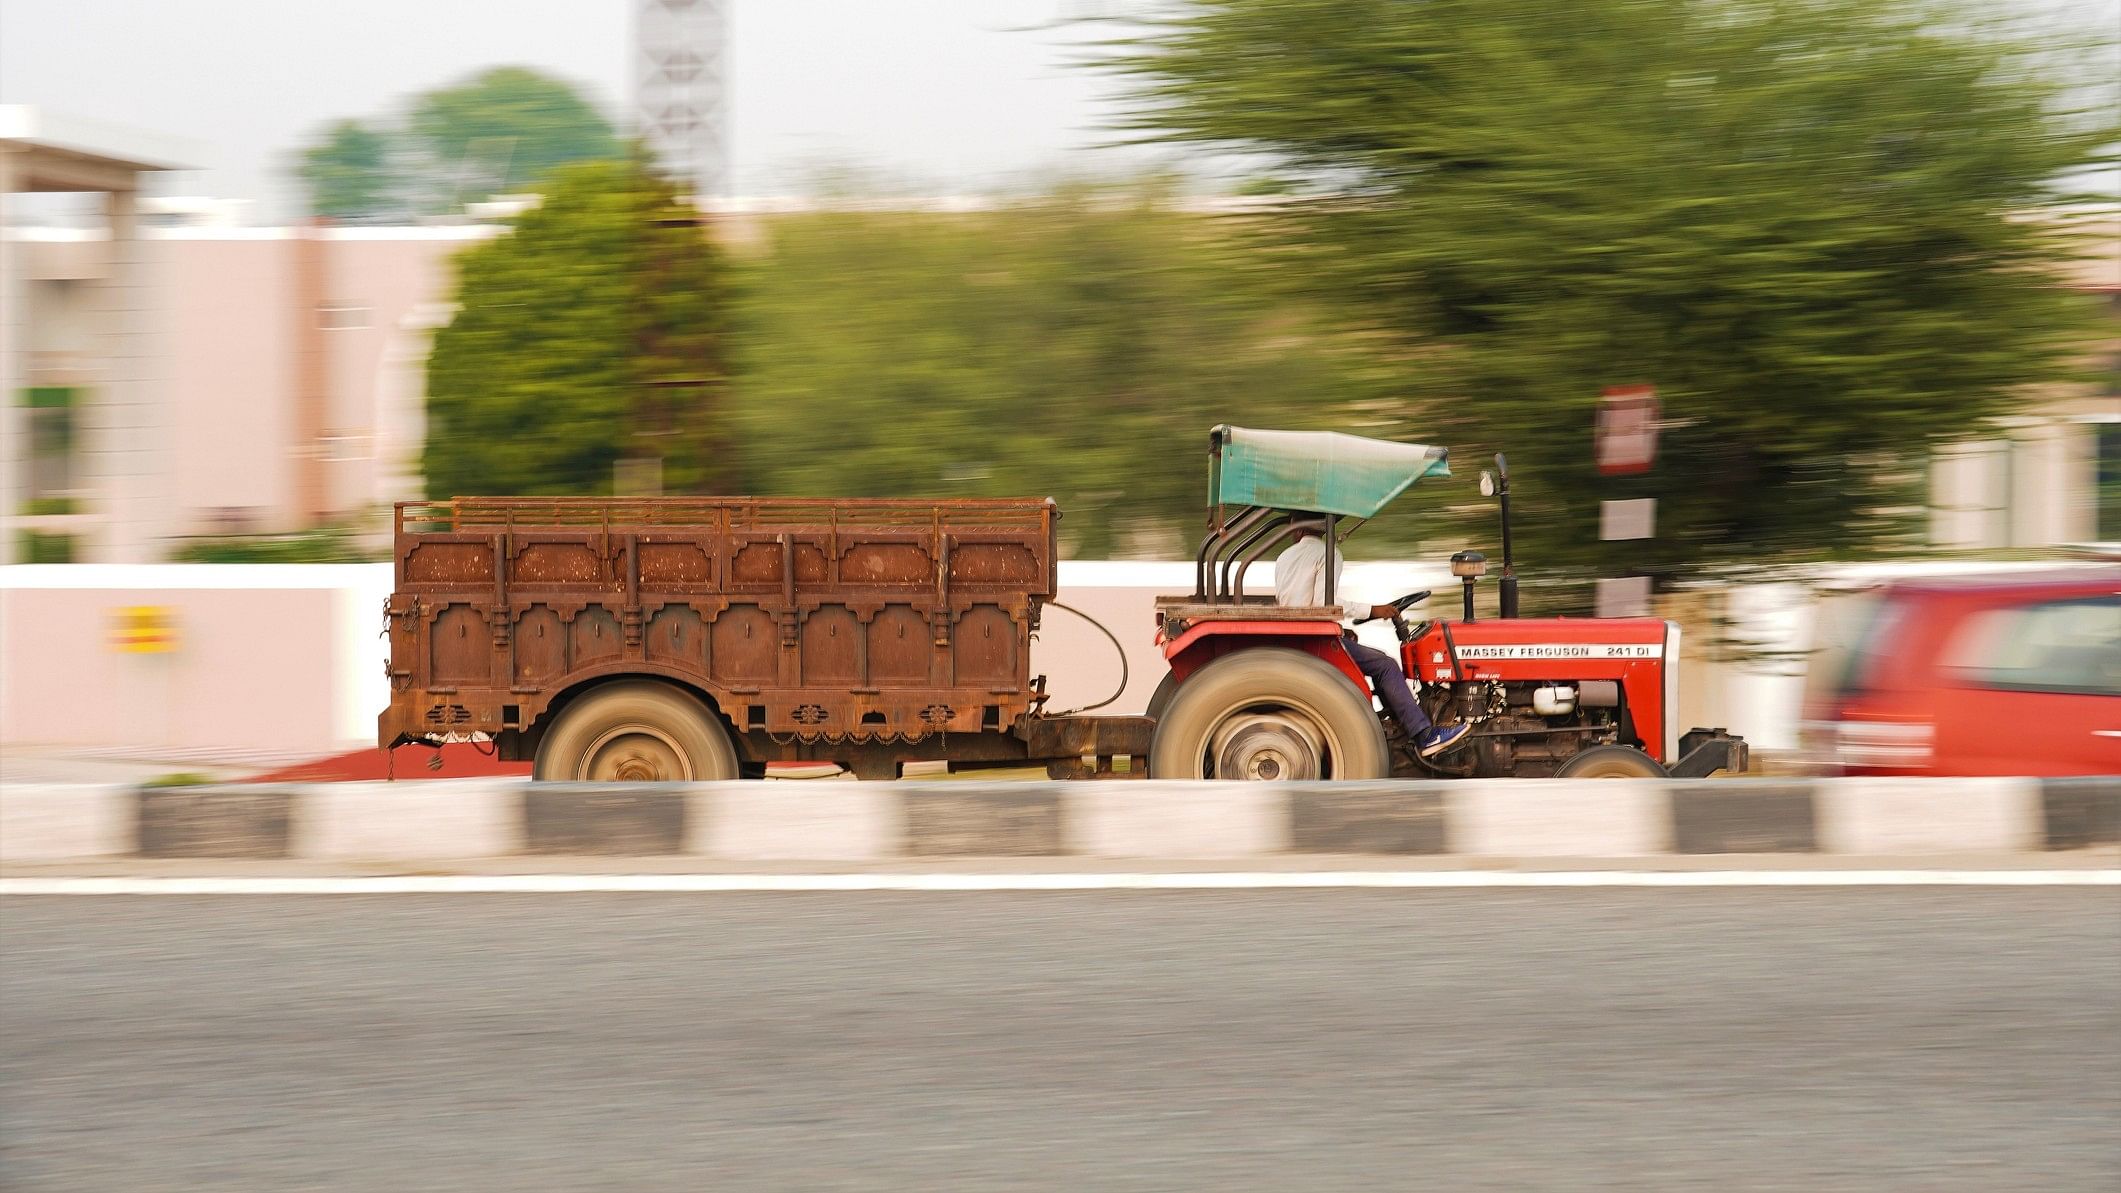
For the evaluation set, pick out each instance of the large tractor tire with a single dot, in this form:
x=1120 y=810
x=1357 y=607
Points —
x=1610 y=762
x=636 y=731
x=1160 y=699
x=1268 y=713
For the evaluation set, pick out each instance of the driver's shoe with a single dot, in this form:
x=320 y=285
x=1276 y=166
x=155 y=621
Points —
x=1441 y=738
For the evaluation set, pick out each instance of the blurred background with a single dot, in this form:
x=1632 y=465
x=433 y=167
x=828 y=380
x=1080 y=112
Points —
x=1799 y=322
x=1852 y=269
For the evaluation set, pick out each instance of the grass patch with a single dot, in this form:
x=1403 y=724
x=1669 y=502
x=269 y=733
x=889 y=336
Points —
x=183 y=778
x=330 y=544
x=35 y=546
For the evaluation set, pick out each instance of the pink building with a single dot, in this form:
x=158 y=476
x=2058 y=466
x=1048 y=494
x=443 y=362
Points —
x=110 y=439
x=290 y=366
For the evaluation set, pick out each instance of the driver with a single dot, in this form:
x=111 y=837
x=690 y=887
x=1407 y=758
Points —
x=1300 y=581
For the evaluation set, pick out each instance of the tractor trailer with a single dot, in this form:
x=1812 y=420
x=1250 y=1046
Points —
x=701 y=638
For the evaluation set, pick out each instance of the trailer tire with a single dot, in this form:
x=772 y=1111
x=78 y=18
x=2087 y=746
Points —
x=1268 y=713
x=637 y=731
x=1610 y=762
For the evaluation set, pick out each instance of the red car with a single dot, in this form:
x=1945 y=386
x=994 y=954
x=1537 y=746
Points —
x=2002 y=674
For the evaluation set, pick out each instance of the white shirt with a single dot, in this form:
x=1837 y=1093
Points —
x=1300 y=573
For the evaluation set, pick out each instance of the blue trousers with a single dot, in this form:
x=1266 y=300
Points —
x=1384 y=674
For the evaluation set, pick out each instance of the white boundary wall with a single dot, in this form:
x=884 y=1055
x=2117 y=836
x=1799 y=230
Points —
x=280 y=657
x=289 y=658
x=296 y=651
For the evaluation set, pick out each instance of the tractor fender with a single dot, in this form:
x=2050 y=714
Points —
x=1202 y=644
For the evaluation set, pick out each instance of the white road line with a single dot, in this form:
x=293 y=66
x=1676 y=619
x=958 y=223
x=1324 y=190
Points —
x=568 y=884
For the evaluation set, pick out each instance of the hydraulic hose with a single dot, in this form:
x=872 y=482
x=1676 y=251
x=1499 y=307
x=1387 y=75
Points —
x=1122 y=651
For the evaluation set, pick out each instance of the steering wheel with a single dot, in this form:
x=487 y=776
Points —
x=1399 y=608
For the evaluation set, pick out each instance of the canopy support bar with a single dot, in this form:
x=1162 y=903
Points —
x=1208 y=560
x=1232 y=551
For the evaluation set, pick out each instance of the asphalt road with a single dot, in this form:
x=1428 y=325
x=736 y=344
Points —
x=1853 y=1039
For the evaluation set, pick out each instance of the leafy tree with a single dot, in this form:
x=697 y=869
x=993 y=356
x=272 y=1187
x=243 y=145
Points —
x=500 y=131
x=1824 y=229
x=1077 y=344
x=350 y=174
x=590 y=334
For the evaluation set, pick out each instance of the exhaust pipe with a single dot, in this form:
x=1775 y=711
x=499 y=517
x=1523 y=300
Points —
x=1507 y=592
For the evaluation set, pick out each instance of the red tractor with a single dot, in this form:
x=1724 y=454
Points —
x=1259 y=690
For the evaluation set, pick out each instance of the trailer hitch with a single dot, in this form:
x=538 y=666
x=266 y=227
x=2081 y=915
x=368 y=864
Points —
x=1703 y=752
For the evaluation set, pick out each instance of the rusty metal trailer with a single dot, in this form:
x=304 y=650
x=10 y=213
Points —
x=703 y=637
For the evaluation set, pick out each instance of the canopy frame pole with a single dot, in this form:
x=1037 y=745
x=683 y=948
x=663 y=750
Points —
x=1272 y=542
x=1226 y=582
x=1208 y=560
x=1266 y=522
x=1332 y=548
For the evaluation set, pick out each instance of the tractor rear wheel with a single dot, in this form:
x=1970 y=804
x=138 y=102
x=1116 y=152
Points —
x=1160 y=699
x=1611 y=762
x=1268 y=713
x=638 y=732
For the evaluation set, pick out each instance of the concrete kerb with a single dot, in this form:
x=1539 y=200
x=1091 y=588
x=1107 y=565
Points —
x=1913 y=817
x=217 y=821
x=435 y=818
x=1150 y=819
x=846 y=822
x=2080 y=812
x=1605 y=818
x=50 y=822
x=1380 y=818
x=823 y=820
x=1742 y=816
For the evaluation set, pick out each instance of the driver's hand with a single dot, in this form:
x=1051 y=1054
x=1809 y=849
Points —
x=1386 y=612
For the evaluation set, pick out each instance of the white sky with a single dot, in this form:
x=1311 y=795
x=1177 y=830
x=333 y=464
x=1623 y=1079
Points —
x=940 y=95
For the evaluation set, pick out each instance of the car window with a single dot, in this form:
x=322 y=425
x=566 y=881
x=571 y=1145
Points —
x=1852 y=635
x=2055 y=646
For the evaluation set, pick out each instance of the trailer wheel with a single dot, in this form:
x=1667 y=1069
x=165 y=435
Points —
x=638 y=732
x=1610 y=762
x=1268 y=713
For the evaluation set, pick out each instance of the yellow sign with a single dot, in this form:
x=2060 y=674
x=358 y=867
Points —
x=144 y=629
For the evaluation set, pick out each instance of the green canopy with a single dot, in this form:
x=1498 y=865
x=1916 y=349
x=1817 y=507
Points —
x=1316 y=471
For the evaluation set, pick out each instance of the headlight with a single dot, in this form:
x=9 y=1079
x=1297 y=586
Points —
x=1883 y=745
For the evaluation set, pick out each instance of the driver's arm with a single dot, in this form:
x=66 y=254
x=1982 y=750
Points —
x=1386 y=612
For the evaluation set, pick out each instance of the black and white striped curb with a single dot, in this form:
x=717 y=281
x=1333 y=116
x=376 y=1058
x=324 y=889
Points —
x=839 y=821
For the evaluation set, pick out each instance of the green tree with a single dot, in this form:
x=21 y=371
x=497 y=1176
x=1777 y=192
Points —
x=501 y=131
x=592 y=333
x=350 y=174
x=1824 y=229
x=1077 y=344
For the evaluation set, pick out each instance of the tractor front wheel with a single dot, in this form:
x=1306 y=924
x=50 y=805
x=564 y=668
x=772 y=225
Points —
x=1611 y=762
x=1268 y=713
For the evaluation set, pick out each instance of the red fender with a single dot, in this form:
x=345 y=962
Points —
x=1210 y=640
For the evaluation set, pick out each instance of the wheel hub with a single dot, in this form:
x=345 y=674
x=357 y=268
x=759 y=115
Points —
x=1267 y=746
x=635 y=754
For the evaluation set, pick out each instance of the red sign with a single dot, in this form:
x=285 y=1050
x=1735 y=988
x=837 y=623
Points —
x=1625 y=439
